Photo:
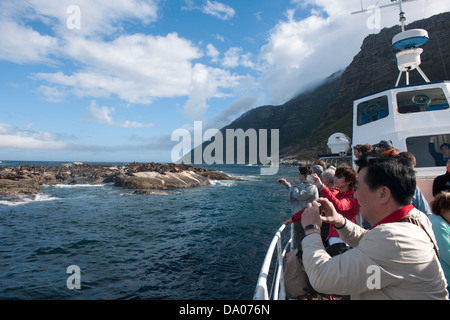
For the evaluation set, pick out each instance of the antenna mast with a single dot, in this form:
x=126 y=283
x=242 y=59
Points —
x=408 y=42
x=396 y=3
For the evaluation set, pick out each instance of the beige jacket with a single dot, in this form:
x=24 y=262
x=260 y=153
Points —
x=391 y=261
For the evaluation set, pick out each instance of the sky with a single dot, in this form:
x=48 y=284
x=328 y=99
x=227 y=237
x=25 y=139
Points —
x=112 y=80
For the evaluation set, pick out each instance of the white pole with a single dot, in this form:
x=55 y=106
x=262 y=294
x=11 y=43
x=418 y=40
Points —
x=398 y=79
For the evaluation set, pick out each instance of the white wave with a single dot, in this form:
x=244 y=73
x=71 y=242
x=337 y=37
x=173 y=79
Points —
x=62 y=186
x=45 y=197
x=249 y=177
x=21 y=200
x=224 y=183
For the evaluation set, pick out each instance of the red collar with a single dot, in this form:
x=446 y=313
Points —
x=396 y=216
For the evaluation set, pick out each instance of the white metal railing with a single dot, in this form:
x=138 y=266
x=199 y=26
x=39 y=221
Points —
x=277 y=290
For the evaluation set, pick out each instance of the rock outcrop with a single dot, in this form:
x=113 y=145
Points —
x=143 y=177
x=148 y=177
x=18 y=185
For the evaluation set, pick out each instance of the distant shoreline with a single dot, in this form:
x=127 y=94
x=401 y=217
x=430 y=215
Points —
x=144 y=178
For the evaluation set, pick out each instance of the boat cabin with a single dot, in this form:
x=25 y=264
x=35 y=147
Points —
x=415 y=118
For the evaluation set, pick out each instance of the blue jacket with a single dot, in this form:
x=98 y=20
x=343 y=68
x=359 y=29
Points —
x=439 y=158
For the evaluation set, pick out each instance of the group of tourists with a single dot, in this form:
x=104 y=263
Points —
x=373 y=223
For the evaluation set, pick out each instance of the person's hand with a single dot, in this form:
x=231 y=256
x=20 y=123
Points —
x=288 y=222
x=282 y=181
x=316 y=181
x=312 y=214
x=330 y=215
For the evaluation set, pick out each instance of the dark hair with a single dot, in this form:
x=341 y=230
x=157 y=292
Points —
x=441 y=202
x=321 y=163
x=444 y=145
x=348 y=173
x=396 y=173
x=371 y=154
x=363 y=148
x=410 y=156
x=305 y=170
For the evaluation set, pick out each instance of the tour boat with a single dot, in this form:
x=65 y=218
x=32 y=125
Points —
x=413 y=117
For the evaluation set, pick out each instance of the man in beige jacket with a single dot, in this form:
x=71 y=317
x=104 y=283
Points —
x=395 y=259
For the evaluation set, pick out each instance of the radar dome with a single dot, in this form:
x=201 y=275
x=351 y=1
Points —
x=413 y=38
x=339 y=143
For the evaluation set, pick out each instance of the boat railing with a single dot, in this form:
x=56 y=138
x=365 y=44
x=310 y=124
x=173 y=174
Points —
x=336 y=159
x=273 y=268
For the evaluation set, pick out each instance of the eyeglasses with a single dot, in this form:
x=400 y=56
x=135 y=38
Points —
x=339 y=176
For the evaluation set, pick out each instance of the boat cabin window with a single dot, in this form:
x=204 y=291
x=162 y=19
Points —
x=422 y=101
x=427 y=149
x=372 y=110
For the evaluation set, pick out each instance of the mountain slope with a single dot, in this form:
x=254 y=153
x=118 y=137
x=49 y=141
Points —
x=306 y=121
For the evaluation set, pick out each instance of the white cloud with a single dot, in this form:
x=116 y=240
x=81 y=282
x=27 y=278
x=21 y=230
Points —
x=291 y=41
x=219 y=37
x=13 y=137
x=231 y=59
x=234 y=58
x=293 y=57
x=246 y=61
x=100 y=114
x=213 y=8
x=219 y=10
x=103 y=115
x=301 y=51
x=206 y=82
x=22 y=44
x=53 y=94
x=235 y=109
x=212 y=52
x=98 y=17
x=136 y=68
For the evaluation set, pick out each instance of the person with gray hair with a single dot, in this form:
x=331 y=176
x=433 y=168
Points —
x=328 y=177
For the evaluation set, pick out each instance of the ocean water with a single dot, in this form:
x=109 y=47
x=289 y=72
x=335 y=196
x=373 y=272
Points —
x=204 y=243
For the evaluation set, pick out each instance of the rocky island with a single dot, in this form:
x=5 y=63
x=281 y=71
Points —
x=26 y=180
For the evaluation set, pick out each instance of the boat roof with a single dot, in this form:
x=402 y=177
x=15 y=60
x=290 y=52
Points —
x=404 y=86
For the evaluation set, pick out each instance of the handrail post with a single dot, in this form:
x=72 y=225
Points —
x=292 y=237
x=281 y=290
x=261 y=291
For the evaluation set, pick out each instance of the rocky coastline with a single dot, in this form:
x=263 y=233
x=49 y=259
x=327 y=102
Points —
x=145 y=178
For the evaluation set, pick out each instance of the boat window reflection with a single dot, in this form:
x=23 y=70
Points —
x=372 y=110
x=422 y=101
